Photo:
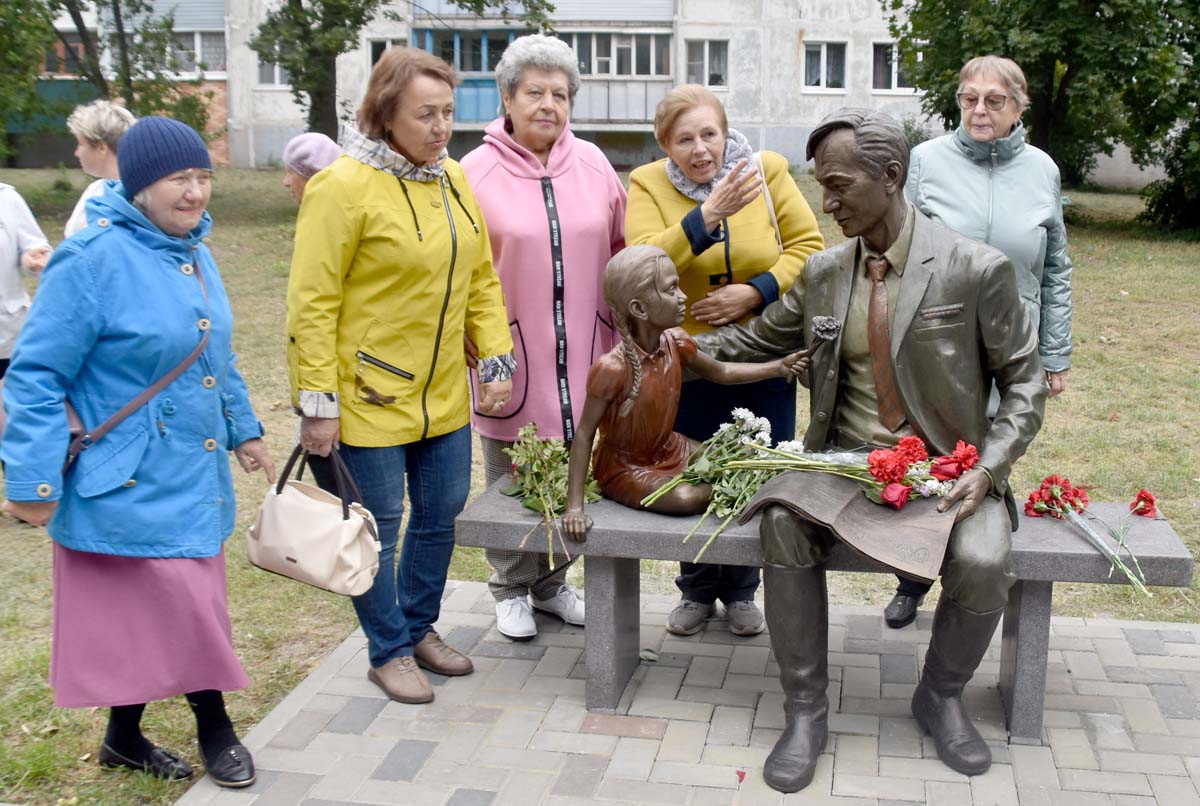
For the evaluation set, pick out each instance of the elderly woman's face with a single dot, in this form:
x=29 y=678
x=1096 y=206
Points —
x=538 y=108
x=983 y=124
x=92 y=157
x=176 y=202
x=697 y=143
x=295 y=183
x=423 y=121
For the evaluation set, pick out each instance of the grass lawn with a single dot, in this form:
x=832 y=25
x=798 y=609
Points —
x=1129 y=419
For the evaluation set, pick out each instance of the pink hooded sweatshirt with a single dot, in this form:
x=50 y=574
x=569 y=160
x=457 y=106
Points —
x=556 y=310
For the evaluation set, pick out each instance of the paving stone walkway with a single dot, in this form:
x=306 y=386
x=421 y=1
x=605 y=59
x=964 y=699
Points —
x=1122 y=723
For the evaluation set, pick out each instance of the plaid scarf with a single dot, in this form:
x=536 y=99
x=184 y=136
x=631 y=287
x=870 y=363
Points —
x=379 y=155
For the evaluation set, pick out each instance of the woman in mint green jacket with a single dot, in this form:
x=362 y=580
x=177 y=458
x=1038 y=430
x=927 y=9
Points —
x=984 y=181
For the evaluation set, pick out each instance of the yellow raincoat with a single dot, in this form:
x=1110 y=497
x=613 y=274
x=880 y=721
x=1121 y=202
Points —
x=382 y=289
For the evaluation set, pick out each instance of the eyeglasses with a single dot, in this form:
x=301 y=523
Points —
x=969 y=100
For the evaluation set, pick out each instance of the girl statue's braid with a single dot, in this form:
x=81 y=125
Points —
x=634 y=357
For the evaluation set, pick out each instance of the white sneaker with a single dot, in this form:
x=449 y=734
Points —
x=567 y=604
x=514 y=619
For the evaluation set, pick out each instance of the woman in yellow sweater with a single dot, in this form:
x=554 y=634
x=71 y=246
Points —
x=739 y=231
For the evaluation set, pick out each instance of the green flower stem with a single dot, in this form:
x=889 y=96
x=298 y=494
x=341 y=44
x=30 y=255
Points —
x=1098 y=542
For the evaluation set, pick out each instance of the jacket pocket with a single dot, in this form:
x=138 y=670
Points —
x=520 y=391
x=384 y=372
x=110 y=462
x=953 y=332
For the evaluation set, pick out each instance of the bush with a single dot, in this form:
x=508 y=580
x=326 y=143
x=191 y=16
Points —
x=916 y=130
x=1174 y=202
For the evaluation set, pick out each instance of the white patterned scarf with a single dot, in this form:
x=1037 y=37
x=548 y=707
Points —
x=737 y=147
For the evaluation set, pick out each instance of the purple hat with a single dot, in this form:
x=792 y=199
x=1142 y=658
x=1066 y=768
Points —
x=310 y=152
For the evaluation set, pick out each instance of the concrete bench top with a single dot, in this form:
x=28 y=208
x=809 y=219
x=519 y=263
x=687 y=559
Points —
x=1044 y=549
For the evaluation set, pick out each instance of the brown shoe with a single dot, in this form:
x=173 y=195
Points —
x=402 y=681
x=432 y=653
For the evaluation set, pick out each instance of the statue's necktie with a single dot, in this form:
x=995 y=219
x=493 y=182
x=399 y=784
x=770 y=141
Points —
x=891 y=412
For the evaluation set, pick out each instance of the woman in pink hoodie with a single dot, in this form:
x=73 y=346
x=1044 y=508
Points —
x=555 y=212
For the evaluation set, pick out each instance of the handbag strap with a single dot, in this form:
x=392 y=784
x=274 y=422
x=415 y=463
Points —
x=770 y=202
x=347 y=490
x=86 y=440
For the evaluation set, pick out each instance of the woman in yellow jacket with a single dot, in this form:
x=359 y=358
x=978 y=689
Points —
x=739 y=231
x=392 y=265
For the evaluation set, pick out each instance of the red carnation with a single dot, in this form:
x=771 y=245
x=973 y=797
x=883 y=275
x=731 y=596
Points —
x=912 y=449
x=1144 y=503
x=887 y=466
x=896 y=494
x=966 y=454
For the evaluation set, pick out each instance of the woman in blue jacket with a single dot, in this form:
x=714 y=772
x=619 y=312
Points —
x=138 y=524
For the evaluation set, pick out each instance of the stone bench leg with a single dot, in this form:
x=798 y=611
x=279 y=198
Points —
x=611 y=637
x=1024 y=643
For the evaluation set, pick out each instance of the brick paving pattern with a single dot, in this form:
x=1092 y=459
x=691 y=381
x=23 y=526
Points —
x=1122 y=723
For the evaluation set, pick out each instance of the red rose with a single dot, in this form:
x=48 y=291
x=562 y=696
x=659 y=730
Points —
x=966 y=455
x=1144 y=503
x=887 y=466
x=896 y=494
x=945 y=468
x=912 y=449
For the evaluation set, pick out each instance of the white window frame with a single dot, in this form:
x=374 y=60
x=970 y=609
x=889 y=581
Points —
x=611 y=74
x=388 y=42
x=277 y=73
x=198 y=50
x=822 y=89
x=893 y=89
x=708 y=62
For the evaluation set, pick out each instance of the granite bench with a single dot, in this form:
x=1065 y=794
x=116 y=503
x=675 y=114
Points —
x=1045 y=551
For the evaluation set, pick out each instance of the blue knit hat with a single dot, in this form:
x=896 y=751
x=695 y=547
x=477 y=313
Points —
x=155 y=147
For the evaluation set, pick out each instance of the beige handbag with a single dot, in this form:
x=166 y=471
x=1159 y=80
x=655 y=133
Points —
x=313 y=536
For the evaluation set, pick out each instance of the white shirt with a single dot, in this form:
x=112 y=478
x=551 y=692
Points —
x=19 y=232
x=78 y=219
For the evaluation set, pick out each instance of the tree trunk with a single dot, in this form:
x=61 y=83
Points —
x=90 y=67
x=125 y=76
x=322 y=101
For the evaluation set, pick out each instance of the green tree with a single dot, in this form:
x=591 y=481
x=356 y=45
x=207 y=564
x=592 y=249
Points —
x=144 y=63
x=305 y=37
x=26 y=33
x=1089 y=64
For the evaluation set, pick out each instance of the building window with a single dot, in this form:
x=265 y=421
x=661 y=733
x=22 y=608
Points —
x=197 y=51
x=378 y=46
x=825 y=65
x=466 y=51
x=612 y=54
x=272 y=75
x=708 y=62
x=886 y=70
x=64 y=56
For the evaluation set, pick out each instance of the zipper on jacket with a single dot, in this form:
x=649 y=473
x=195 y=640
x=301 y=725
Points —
x=728 y=262
x=370 y=359
x=987 y=238
x=437 y=341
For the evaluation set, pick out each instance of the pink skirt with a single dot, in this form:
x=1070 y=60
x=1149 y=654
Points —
x=130 y=630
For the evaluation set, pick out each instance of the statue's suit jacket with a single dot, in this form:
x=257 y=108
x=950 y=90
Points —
x=958 y=325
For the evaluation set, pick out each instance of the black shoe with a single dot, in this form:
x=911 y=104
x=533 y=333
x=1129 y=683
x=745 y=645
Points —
x=902 y=610
x=159 y=763
x=233 y=767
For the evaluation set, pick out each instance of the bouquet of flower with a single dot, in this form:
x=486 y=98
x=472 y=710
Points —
x=888 y=475
x=715 y=464
x=1058 y=498
x=539 y=477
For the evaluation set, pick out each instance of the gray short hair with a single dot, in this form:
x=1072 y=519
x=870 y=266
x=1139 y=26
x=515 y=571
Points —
x=541 y=52
x=100 y=121
x=1006 y=69
x=878 y=139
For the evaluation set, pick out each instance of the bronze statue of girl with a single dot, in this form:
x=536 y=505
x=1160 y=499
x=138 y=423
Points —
x=633 y=392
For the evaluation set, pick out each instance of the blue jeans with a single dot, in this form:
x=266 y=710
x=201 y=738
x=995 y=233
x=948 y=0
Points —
x=404 y=602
